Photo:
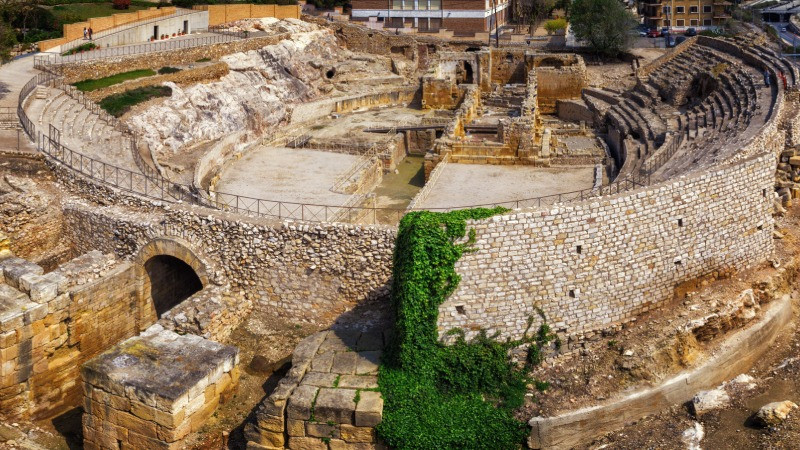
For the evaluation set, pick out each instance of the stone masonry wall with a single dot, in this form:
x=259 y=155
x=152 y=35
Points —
x=55 y=322
x=594 y=264
x=99 y=68
x=304 y=272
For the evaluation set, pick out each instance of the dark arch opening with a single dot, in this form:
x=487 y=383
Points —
x=330 y=73
x=468 y=69
x=171 y=282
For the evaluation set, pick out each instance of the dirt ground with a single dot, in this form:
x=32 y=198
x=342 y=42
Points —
x=649 y=350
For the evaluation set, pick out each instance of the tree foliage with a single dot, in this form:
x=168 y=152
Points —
x=604 y=25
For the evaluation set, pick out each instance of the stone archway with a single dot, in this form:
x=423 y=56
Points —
x=169 y=272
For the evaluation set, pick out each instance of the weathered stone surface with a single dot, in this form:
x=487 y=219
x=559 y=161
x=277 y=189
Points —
x=369 y=411
x=358 y=381
x=301 y=401
x=307 y=443
x=773 y=414
x=705 y=401
x=336 y=405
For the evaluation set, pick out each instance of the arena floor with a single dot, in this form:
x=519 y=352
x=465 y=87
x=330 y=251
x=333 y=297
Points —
x=287 y=175
x=478 y=184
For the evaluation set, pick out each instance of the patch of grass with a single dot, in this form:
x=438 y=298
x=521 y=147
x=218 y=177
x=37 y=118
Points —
x=166 y=70
x=203 y=60
x=119 y=104
x=79 y=12
x=81 y=48
x=93 y=85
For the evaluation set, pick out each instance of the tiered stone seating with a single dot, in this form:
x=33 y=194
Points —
x=711 y=129
x=84 y=131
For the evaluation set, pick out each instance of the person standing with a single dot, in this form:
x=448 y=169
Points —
x=766 y=77
x=90 y=33
x=85 y=33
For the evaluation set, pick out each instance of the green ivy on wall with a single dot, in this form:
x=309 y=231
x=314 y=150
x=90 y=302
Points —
x=436 y=396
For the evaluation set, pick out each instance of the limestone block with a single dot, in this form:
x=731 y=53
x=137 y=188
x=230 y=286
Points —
x=15 y=268
x=307 y=443
x=358 y=381
x=369 y=411
x=322 y=430
x=357 y=434
x=301 y=401
x=337 y=405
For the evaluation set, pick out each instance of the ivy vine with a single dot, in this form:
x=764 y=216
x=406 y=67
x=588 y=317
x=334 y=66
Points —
x=446 y=397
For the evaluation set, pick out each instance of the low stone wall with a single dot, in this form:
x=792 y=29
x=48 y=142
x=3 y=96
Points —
x=100 y=68
x=301 y=271
x=314 y=110
x=617 y=256
x=55 y=322
x=212 y=313
x=204 y=74
x=328 y=398
x=221 y=14
x=168 y=386
x=574 y=111
x=737 y=355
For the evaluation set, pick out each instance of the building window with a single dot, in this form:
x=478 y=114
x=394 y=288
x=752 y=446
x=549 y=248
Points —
x=679 y=22
x=693 y=9
x=422 y=4
x=667 y=9
x=435 y=5
x=397 y=4
x=693 y=22
x=679 y=10
x=706 y=8
x=706 y=22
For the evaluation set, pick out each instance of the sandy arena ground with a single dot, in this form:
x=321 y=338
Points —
x=477 y=184
x=287 y=175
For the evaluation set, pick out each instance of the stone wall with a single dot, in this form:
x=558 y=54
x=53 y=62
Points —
x=33 y=221
x=561 y=82
x=100 y=68
x=309 y=272
x=508 y=65
x=594 y=264
x=203 y=74
x=53 y=323
x=168 y=386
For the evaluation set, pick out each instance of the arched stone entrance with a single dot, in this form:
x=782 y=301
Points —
x=171 y=281
x=169 y=272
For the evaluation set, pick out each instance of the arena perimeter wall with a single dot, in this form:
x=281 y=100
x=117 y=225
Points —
x=600 y=262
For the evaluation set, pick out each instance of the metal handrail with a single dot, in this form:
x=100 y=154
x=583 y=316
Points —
x=159 y=188
x=55 y=59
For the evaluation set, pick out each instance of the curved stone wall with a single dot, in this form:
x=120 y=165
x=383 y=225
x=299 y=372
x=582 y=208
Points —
x=601 y=262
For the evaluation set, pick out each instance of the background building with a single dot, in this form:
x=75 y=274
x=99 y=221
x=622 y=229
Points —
x=682 y=14
x=463 y=17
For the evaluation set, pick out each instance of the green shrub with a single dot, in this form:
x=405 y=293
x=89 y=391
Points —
x=93 y=85
x=81 y=48
x=166 y=70
x=119 y=104
x=555 y=25
x=437 y=396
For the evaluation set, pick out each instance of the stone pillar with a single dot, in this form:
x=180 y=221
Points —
x=154 y=389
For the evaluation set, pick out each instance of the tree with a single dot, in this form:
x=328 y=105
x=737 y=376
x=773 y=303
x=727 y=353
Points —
x=532 y=12
x=605 y=25
x=7 y=41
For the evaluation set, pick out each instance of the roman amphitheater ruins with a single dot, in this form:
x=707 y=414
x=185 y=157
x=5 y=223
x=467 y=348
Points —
x=266 y=188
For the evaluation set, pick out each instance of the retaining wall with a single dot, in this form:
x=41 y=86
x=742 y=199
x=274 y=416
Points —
x=301 y=271
x=594 y=264
x=220 y=14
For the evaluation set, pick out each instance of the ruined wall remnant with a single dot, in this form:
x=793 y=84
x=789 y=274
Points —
x=559 y=77
x=619 y=256
x=152 y=390
x=306 y=272
x=50 y=324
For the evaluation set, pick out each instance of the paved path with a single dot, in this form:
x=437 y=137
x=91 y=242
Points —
x=14 y=76
x=189 y=41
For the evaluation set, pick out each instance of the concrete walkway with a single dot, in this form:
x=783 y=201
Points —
x=189 y=41
x=14 y=76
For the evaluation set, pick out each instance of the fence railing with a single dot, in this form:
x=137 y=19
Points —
x=55 y=59
x=151 y=185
